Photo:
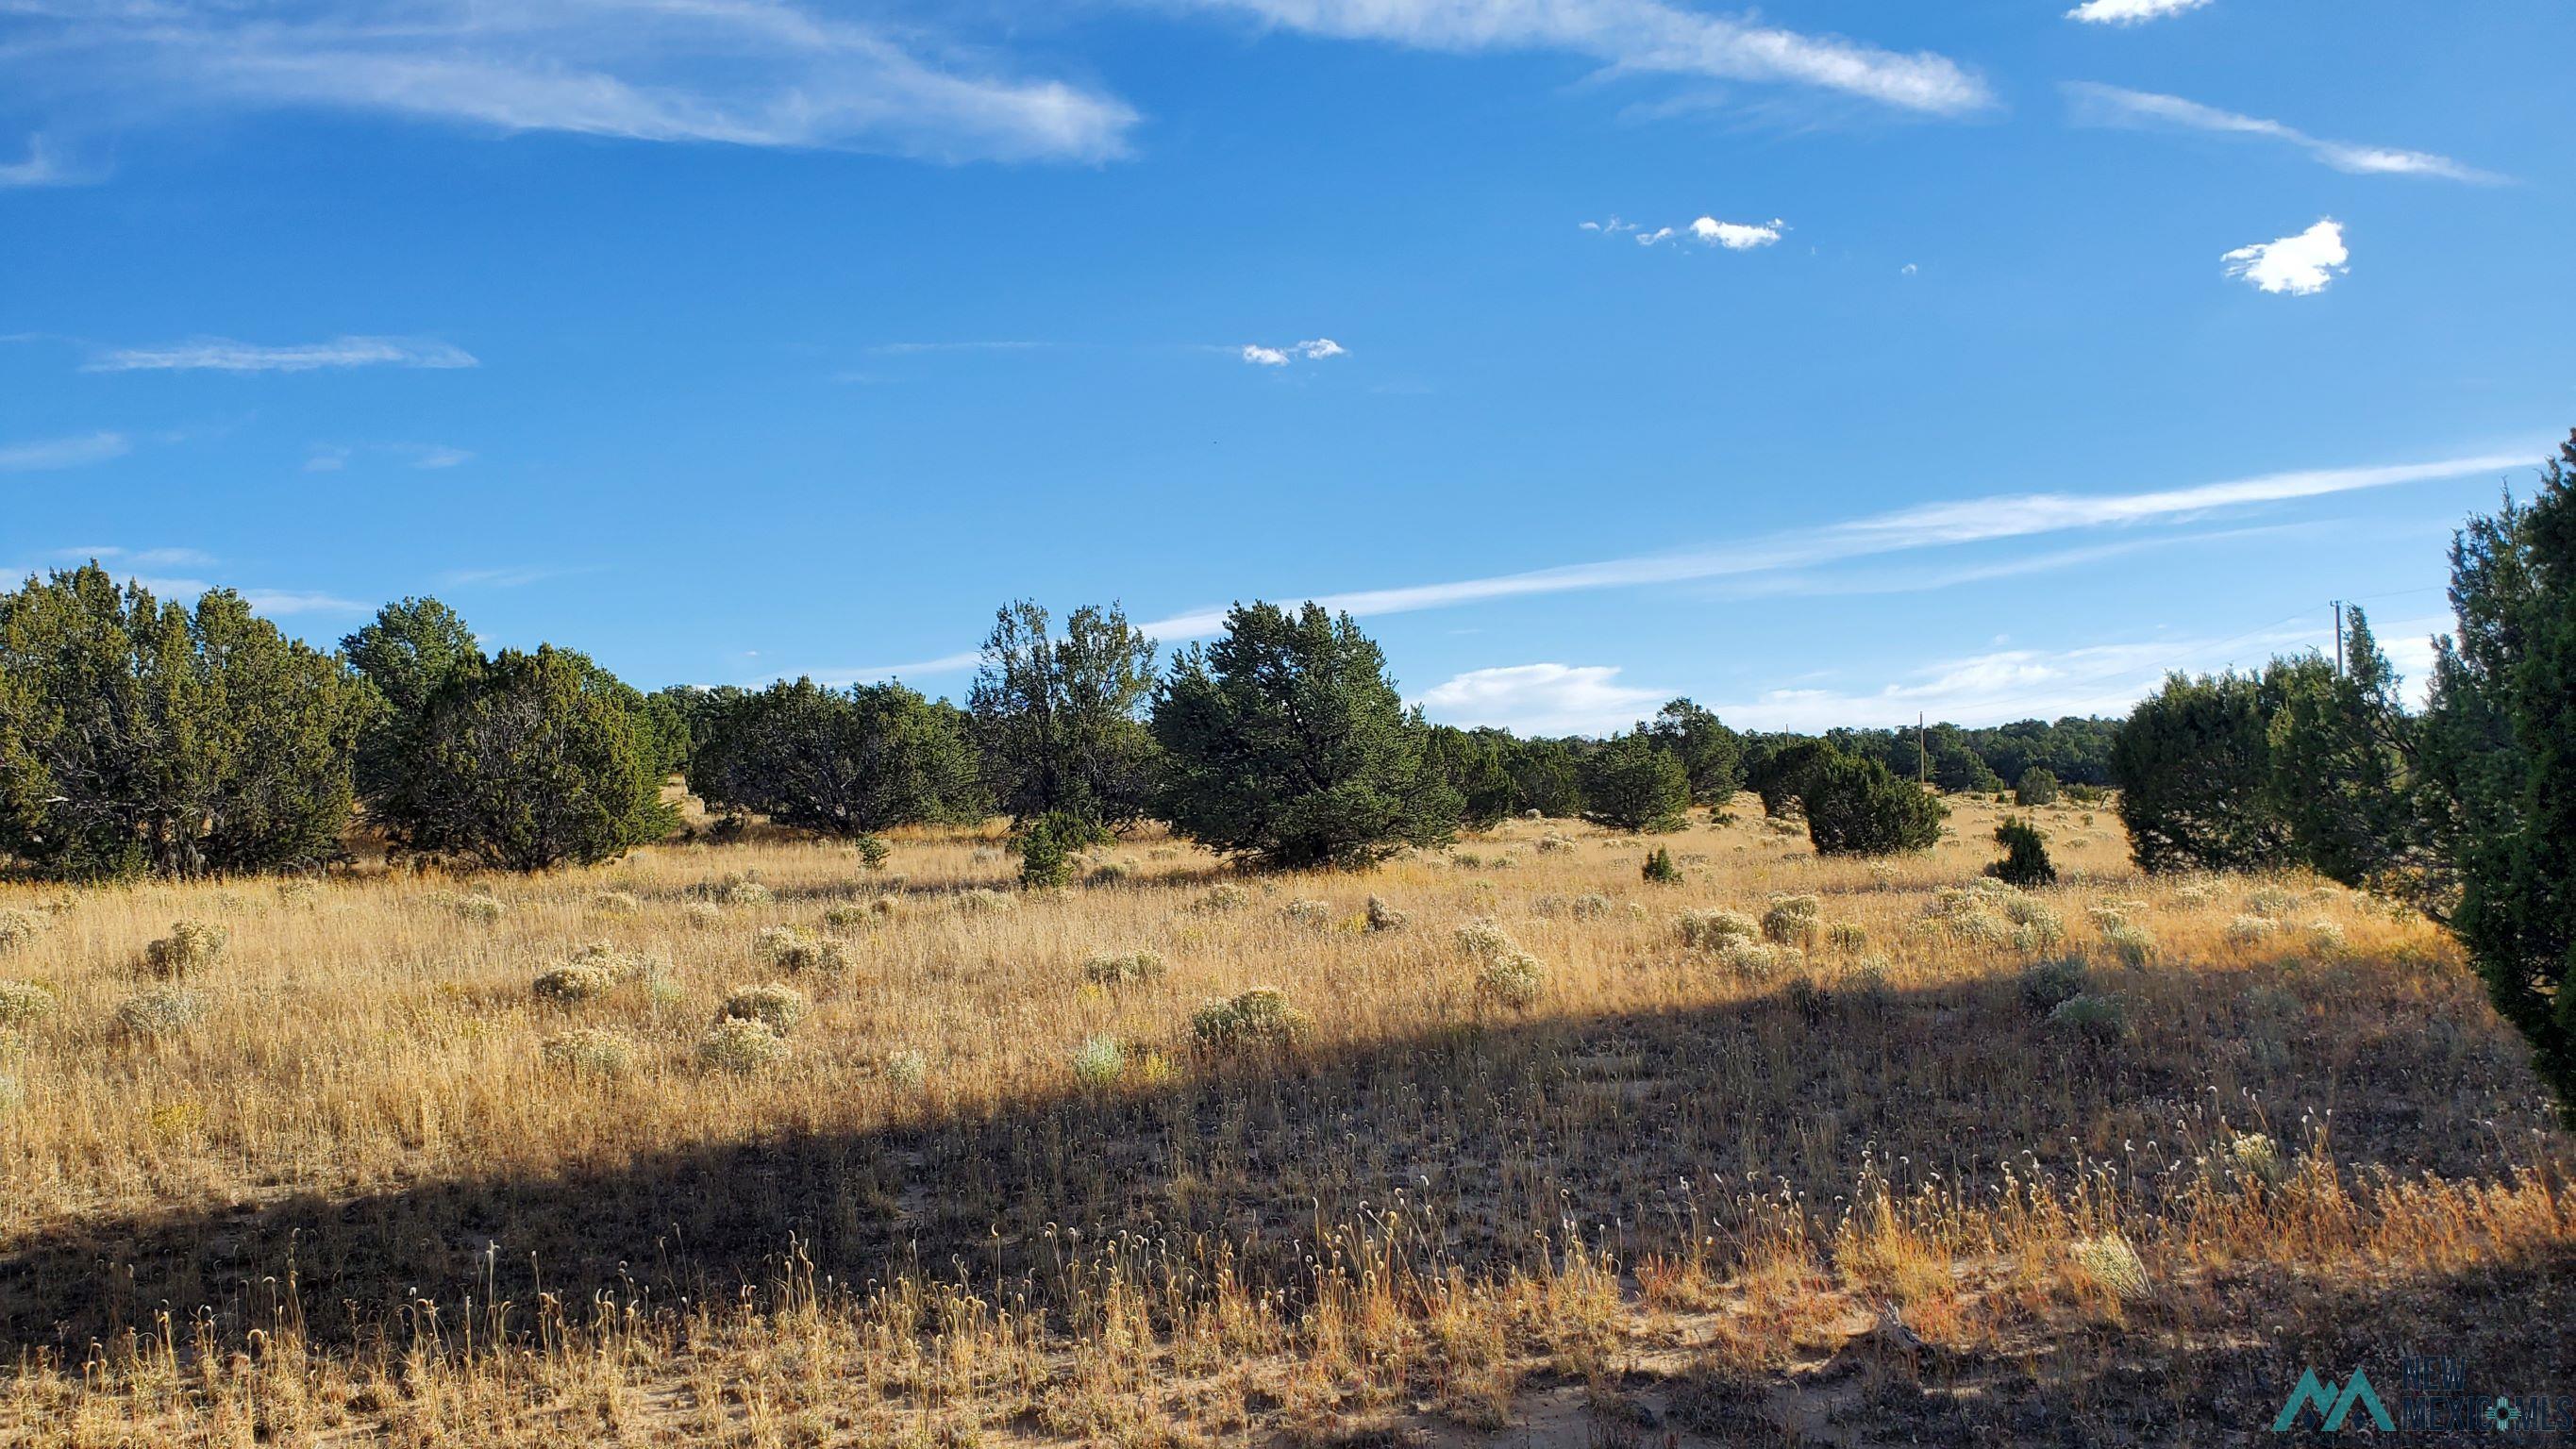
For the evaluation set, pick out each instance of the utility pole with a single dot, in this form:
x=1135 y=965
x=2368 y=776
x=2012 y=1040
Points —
x=2338 y=612
x=1922 y=753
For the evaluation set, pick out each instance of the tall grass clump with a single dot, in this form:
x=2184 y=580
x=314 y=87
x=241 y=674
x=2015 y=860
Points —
x=1100 y=1061
x=1513 y=979
x=589 y=1051
x=1383 y=917
x=1790 y=921
x=191 y=946
x=740 y=1046
x=1710 y=929
x=774 y=1006
x=792 y=950
x=1256 y=1019
x=1124 y=968
x=161 y=1011
x=22 y=1003
x=18 y=928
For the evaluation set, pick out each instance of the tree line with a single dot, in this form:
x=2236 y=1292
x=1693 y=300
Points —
x=142 y=737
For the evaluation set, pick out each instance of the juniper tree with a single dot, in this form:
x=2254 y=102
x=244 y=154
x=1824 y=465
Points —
x=525 y=761
x=1473 y=763
x=2025 y=861
x=2037 y=786
x=1286 y=744
x=1057 y=716
x=845 y=763
x=1711 y=755
x=1856 y=806
x=1630 y=783
x=2343 y=778
x=141 y=736
x=2499 y=754
x=2194 y=764
x=1779 y=770
x=406 y=652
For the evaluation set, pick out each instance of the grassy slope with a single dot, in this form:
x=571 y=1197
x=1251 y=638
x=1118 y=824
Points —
x=1869 y=1195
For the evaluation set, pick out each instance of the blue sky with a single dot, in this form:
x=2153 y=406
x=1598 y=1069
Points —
x=1825 y=365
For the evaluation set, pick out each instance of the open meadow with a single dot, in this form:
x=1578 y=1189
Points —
x=1792 y=1150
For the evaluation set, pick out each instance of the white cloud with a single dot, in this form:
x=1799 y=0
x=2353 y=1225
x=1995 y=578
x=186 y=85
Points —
x=2298 y=265
x=1931 y=525
x=2130 y=12
x=1909 y=269
x=51 y=453
x=741 y=72
x=1734 y=236
x=2101 y=105
x=221 y=354
x=1644 y=36
x=1553 y=699
x=1312 y=350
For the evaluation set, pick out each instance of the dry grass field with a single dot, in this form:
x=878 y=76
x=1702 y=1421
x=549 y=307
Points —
x=1562 y=1157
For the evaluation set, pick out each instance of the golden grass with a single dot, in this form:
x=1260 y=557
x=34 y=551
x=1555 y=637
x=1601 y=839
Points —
x=988 y=1193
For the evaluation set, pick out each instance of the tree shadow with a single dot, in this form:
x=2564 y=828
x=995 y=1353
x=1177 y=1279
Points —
x=1638 y=1128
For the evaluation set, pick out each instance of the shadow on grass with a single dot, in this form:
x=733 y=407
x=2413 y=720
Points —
x=1640 y=1128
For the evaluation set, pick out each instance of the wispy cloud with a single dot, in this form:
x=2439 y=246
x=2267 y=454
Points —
x=333 y=457
x=1927 y=526
x=1641 y=36
x=139 y=566
x=141 y=558
x=2010 y=684
x=2093 y=104
x=739 y=72
x=1555 y=699
x=1879 y=579
x=290 y=601
x=1313 y=350
x=222 y=354
x=44 y=166
x=510 y=577
x=902 y=349
x=2299 y=265
x=46 y=454
x=2130 y=12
